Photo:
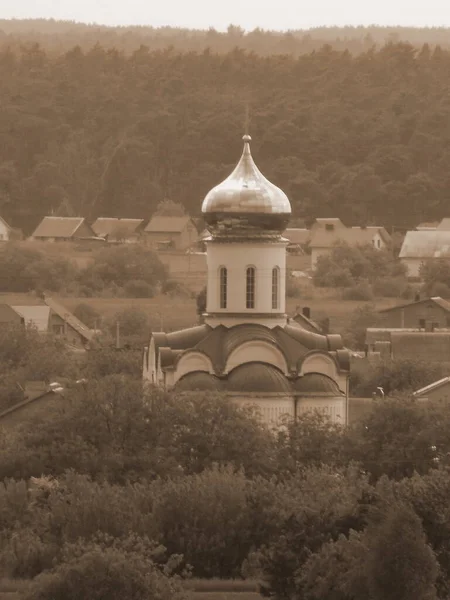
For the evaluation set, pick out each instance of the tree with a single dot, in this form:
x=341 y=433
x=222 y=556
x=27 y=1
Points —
x=400 y=563
x=169 y=208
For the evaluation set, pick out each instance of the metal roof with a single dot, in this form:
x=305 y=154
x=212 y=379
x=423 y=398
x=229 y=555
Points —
x=435 y=299
x=163 y=224
x=104 y=226
x=35 y=316
x=69 y=318
x=353 y=236
x=431 y=243
x=432 y=386
x=58 y=227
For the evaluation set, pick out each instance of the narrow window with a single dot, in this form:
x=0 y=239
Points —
x=223 y=287
x=250 y=288
x=275 y=286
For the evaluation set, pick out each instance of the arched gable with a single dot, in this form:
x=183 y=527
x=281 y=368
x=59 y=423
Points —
x=319 y=362
x=192 y=360
x=256 y=351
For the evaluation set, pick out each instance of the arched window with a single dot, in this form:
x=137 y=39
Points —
x=250 y=287
x=223 y=281
x=275 y=287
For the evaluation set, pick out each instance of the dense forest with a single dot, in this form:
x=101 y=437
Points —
x=95 y=130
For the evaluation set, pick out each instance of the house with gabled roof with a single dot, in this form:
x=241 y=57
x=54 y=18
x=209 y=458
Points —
x=165 y=232
x=53 y=229
x=50 y=317
x=66 y=325
x=327 y=233
x=298 y=238
x=118 y=231
x=425 y=245
x=423 y=314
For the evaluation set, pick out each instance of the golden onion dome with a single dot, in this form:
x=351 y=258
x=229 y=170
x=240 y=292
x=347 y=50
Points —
x=246 y=203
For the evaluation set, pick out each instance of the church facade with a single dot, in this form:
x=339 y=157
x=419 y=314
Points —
x=247 y=347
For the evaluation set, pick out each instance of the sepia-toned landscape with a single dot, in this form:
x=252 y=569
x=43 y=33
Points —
x=224 y=313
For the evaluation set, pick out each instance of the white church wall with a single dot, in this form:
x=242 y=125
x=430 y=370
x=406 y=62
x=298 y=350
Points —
x=334 y=408
x=271 y=407
x=236 y=257
x=317 y=362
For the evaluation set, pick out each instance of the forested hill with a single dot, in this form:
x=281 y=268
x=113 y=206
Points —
x=363 y=137
x=60 y=36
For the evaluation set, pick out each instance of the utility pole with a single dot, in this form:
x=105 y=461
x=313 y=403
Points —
x=117 y=334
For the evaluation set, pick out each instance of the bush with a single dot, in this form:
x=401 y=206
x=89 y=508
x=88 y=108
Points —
x=360 y=291
x=119 y=265
x=133 y=322
x=87 y=315
x=139 y=289
x=390 y=287
x=441 y=289
x=347 y=265
x=105 y=574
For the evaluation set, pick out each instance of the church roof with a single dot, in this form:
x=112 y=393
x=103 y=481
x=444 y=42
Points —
x=316 y=383
x=257 y=377
x=292 y=340
x=199 y=380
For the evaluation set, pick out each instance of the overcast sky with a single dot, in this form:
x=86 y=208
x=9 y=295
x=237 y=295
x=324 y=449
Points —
x=267 y=14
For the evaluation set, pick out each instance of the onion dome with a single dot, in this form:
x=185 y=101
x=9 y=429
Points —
x=246 y=203
x=258 y=377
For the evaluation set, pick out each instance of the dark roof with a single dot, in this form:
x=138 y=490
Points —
x=292 y=340
x=435 y=299
x=104 y=226
x=306 y=323
x=316 y=383
x=257 y=377
x=417 y=345
x=58 y=227
x=162 y=224
x=199 y=380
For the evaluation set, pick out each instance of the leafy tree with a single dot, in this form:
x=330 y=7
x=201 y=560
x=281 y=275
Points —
x=169 y=208
x=400 y=563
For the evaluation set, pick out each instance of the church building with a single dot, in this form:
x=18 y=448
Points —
x=247 y=347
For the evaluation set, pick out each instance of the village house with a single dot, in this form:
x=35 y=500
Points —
x=52 y=229
x=176 y=233
x=128 y=231
x=329 y=232
x=426 y=314
x=423 y=245
x=50 y=317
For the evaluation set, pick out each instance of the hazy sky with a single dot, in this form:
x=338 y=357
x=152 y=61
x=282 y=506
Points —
x=274 y=14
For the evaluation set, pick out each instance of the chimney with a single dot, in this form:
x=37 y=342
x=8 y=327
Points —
x=306 y=312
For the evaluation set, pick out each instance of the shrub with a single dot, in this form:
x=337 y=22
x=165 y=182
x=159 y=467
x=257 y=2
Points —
x=87 y=315
x=105 y=574
x=122 y=264
x=439 y=288
x=359 y=291
x=390 y=287
x=133 y=322
x=139 y=289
